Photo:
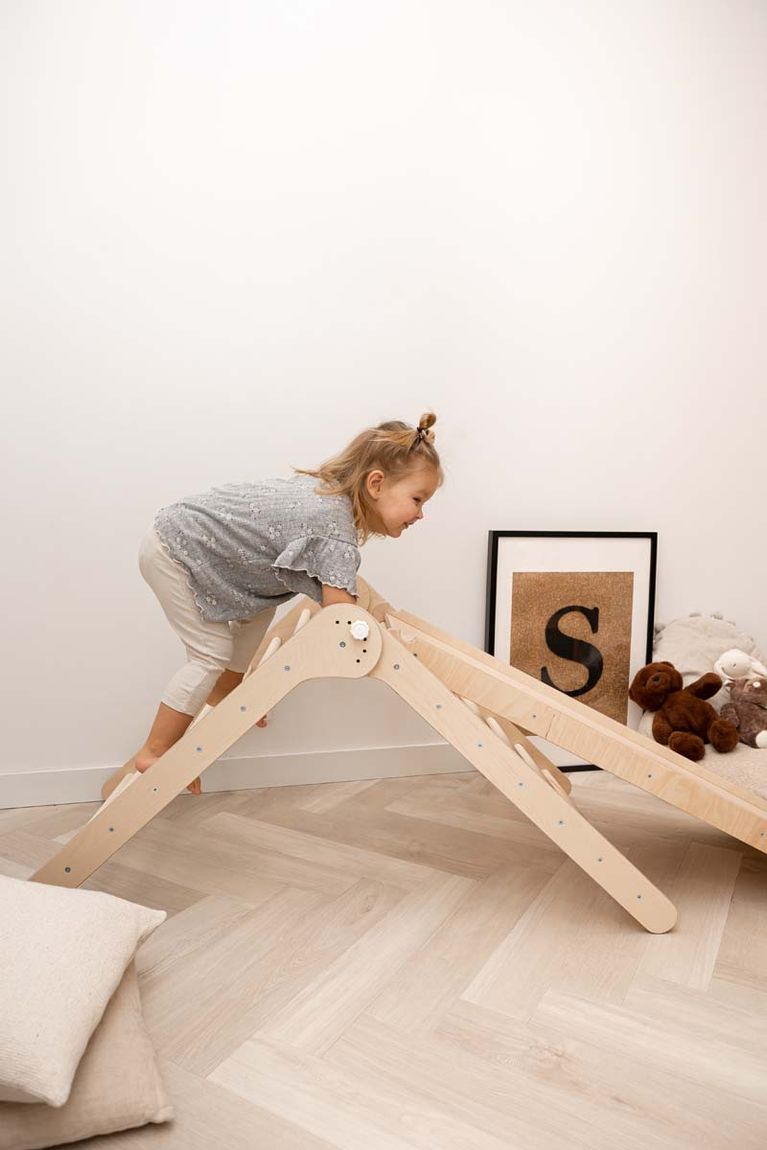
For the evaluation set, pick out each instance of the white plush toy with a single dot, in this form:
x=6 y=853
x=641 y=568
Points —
x=736 y=664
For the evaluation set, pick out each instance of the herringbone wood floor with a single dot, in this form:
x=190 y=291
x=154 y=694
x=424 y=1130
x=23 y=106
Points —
x=411 y=964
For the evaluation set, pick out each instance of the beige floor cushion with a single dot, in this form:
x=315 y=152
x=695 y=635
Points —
x=117 y=1085
x=63 y=954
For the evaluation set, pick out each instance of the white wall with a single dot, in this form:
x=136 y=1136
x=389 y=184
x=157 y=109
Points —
x=236 y=233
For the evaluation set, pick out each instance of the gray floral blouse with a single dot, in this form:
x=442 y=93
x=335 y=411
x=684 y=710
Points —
x=250 y=546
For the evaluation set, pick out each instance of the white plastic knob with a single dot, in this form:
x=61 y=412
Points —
x=360 y=629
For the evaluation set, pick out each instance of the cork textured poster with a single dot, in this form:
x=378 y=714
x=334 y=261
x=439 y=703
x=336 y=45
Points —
x=574 y=633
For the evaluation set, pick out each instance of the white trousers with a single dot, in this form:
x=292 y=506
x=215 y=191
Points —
x=210 y=647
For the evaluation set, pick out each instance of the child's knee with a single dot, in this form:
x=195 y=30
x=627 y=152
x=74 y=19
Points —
x=189 y=688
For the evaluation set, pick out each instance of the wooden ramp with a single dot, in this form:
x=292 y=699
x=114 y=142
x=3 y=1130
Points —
x=482 y=707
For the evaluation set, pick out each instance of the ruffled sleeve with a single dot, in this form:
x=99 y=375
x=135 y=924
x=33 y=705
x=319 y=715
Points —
x=308 y=562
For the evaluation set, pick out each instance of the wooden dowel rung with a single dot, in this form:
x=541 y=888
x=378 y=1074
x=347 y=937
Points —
x=206 y=709
x=274 y=646
x=123 y=785
x=549 y=773
x=498 y=730
x=548 y=776
x=303 y=619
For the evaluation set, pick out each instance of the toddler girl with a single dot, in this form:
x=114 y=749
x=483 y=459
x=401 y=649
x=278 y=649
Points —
x=220 y=563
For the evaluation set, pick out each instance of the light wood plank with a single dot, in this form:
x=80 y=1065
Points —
x=703 y=888
x=571 y=934
x=684 y=1044
x=347 y=1105
x=627 y=1097
x=316 y=1017
x=435 y=975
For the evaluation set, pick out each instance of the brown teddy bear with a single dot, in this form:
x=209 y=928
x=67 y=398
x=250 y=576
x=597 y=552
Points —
x=747 y=710
x=683 y=720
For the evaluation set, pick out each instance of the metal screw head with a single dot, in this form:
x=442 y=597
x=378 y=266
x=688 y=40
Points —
x=68 y=869
x=342 y=644
x=396 y=666
x=243 y=708
x=198 y=748
x=286 y=667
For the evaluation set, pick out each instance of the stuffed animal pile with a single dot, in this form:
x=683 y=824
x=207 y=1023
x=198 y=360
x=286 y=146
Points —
x=685 y=651
x=683 y=721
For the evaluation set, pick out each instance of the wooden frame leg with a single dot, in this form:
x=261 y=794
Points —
x=323 y=648
x=524 y=785
x=284 y=629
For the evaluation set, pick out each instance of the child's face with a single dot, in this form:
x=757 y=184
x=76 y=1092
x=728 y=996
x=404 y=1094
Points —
x=398 y=504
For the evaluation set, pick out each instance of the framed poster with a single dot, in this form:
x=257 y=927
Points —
x=575 y=610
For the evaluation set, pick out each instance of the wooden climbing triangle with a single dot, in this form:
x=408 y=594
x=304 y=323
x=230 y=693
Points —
x=482 y=707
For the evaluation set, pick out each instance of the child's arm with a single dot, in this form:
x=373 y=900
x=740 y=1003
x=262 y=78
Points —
x=333 y=595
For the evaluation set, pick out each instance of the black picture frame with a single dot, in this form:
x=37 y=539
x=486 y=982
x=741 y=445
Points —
x=581 y=552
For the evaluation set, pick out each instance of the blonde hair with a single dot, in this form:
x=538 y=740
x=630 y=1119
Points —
x=393 y=447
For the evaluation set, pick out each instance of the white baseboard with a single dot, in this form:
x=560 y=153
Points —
x=83 y=785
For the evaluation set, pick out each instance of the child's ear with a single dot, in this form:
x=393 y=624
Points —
x=374 y=482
